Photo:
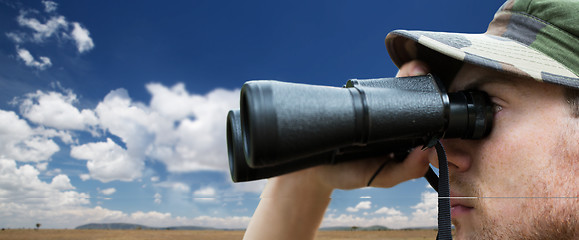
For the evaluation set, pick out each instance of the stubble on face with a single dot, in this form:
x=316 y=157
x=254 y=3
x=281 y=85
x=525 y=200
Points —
x=542 y=218
x=553 y=215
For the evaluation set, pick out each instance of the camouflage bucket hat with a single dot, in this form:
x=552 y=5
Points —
x=532 y=38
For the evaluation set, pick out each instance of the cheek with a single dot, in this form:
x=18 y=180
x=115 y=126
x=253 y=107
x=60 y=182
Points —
x=510 y=159
x=509 y=166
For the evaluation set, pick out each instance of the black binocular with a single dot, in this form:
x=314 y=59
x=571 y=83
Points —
x=284 y=127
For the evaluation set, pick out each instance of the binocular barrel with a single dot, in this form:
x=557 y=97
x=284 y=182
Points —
x=284 y=127
x=242 y=172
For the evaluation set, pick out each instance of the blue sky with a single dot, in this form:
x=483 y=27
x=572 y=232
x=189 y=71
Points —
x=114 y=111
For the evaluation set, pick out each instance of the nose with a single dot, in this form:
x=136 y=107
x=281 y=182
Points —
x=457 y=154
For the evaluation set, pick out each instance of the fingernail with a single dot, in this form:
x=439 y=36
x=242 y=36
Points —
x=419 y=70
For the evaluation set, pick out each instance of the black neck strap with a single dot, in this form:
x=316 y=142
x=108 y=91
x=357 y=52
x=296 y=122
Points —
x=442 y=186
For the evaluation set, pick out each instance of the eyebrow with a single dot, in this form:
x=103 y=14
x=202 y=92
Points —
x=477 y=84
x=512 y=84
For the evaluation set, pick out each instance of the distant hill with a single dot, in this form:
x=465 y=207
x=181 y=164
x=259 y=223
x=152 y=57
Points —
x=128 y=226
x=371 y=228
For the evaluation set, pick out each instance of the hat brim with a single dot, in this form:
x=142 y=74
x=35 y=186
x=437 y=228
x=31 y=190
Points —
x=498 y=53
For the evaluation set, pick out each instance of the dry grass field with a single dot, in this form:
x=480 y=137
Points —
x=50 y=234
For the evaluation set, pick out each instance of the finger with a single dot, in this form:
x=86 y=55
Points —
x=414 y=166
x=413 y=68
x=433 y=158
x=350 y=174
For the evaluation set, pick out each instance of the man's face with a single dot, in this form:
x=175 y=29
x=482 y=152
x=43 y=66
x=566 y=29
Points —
x=523 y=174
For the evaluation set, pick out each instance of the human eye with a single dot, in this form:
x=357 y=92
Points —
x=497 y=104
x=497 y=108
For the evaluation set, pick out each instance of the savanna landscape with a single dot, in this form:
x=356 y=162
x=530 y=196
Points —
x=69 y=234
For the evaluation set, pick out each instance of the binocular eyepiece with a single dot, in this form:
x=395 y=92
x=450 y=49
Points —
x=284 y=127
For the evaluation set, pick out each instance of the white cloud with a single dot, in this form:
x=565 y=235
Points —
x=129 y=121
x=253 y=186
x=49 y=6
x=42 y=166
x=188 y=137
x=24 y=197
x=364 y=205
x=16 y=37
x=175 y=186
x=173 y=103
x=53 y=172
x=158 y=198
x=25 y=200
x=42 y=31
x=205 y=195
x=29 y=60
x=54 y=109
x=388 y=211
x=53 y=26
x=81 y=37
x=425 y=214
x=107 y=161
x=22 y=185
x=204 y=192
x=61 y=182
x=84 y=176
x=108 y=191
x=64 y=135
x=184 y=131
x=198 y=141
x=21 y=142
